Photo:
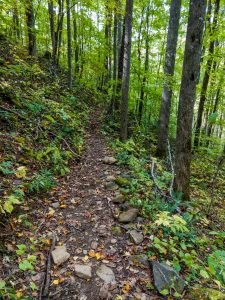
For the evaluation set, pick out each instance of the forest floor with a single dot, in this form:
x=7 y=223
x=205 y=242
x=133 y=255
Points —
x=85 y=223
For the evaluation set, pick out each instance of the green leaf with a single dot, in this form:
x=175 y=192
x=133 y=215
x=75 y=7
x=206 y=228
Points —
x=8 y=207
x=204 y=274
x=212 y=118
x=165 y=292
x=2 y=284
x=21 y=249
x=25 y=265
x=33 y=286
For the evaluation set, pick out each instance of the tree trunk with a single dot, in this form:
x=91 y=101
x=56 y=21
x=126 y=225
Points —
x=69 y=48
x=59 y=31
x=190 y=77
x=52 y=29
x=76 y=52
x=206 y=75
x=126 y=70
x=31 y=28
x=175 y=8
x=141 y=103
x=16 y=24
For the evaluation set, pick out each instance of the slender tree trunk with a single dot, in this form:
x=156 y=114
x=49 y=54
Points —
x=59 y=31
x=16 y=23
x=69 y=47
x=52 y=29
x=76 y=52
x=126 y=70
x=206 y=75
x=141 y=103
x=175 y=8
x=209 y=131
x=190 y=77
x=31 y=28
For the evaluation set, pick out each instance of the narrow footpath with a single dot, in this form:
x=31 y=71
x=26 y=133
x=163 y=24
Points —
x=98 y=257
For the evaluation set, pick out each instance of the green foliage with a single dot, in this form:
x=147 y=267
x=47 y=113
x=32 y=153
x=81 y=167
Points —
x=42 y=182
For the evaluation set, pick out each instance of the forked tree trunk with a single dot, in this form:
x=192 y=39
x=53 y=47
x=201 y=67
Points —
x=126 y=70
x=175 y=8
x=190 y=77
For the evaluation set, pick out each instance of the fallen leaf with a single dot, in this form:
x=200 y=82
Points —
x=126 y=288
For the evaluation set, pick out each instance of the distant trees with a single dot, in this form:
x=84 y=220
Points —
x=190 y=77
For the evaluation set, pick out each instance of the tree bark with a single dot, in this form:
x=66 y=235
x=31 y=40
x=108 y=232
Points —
x=175 y=8
x=206 y=75
x=126 y=70
x=52 y=29
x=69 y=47
x=31 y=28
x=190 y=77
x=16 y=23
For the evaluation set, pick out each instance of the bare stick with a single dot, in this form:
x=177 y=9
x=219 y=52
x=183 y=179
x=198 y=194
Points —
x=47 y=279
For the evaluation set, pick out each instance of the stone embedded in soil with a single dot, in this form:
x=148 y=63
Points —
x=94 y=245
x=60 y=255
x=55 y=204
x=83 y=271
x=166 y=277
x=136 y=236
x=139 y=260
x=112 y=186
x=109 y=160
x=110 y=178
x=128 y=216
x=106 y=274
x=104 y=292
x=119 y=198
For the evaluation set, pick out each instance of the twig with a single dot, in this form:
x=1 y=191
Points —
x=172 y=169
x=47 y=278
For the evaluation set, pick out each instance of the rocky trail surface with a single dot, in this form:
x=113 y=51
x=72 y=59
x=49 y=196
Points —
x=98 y=237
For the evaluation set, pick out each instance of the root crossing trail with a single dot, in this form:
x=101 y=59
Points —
x=104 y=262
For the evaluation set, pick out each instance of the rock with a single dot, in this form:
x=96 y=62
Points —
x=139 y=260
x=110 y=178
x=166 y=277
x=106 y=274
x=60 y=255
x=94 y=245
x=128 y=216
x=55 y=204
x=104 y=292
x=205 y=294
x=136 y=236
x=119 y=198
x=109 y=160
x=83 y=271
x=111 y=186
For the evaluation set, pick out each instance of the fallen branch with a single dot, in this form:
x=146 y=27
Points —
x=44 y=291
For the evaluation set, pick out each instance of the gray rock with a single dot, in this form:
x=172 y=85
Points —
x=94 y=245
x=166 y=277
x=112 y=186
x=109 y=160
x=104 y=292
x=106 y=274
x=60 y=255
x=55 y=204
x=110 y=178
x=83 y=271
x=139 y=260
x=119 y=198
x=128 y=216
x=136 y=236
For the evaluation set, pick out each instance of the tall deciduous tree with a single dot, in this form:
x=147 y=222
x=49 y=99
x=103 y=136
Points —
x=31 y=27
x=69 y=42
x=126 y=69
x=206 y=74
x=175 y=8
x=190 y=77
